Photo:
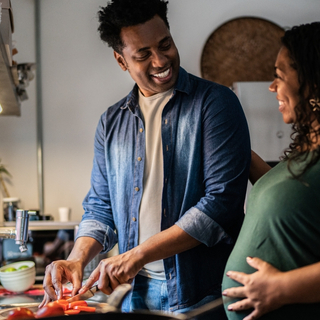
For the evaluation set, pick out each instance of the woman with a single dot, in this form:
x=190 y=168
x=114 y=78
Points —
x=282 y=223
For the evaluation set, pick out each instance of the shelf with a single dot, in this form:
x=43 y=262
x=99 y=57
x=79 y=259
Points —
x=43 y=225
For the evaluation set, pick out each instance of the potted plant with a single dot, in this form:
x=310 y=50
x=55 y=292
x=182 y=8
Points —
x=3 y=171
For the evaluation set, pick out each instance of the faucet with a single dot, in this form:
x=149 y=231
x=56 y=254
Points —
x=20 y=234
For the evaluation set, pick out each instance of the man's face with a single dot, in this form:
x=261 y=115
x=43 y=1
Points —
x=150 y=56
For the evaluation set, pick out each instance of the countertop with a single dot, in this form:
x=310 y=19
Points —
x=33 y=296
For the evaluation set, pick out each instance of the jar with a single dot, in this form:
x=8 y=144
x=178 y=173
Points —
x=10 y=208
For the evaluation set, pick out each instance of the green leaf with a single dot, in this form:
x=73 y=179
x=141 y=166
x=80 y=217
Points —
x=4 y=170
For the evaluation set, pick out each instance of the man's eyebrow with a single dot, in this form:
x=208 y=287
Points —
x=160 y=43
x=165 y=39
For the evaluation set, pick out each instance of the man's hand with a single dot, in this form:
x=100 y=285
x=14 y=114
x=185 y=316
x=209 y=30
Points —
x=259 y=289
x=114 y=271
x=57 y=273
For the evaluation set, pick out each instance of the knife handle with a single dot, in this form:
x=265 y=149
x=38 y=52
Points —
x=94 y=289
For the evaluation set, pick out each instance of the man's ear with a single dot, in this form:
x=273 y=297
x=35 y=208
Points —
x=120 y=60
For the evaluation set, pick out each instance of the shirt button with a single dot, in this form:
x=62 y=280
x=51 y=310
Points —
x=164 y=212
x=141 y=130
x=136 y=188
x=167 y=147
x=134 y=219
x=165 y=180
x=166 y=121
x=139 y=158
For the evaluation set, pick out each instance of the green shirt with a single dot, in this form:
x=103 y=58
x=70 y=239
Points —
x=282 y=227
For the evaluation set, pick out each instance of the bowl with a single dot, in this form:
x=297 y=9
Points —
x=19 y=280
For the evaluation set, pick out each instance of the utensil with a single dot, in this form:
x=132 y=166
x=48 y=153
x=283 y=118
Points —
x=84 y=296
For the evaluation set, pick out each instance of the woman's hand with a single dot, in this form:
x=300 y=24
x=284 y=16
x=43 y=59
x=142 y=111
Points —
x=260 y=290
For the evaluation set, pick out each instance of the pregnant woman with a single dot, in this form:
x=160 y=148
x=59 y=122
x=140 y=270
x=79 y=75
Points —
x=273 y=271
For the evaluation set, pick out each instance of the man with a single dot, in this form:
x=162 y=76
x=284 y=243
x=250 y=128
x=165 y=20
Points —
x=169 y=176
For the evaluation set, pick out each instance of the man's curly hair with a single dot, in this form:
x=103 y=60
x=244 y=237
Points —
x=125 y=13
x=303 y=43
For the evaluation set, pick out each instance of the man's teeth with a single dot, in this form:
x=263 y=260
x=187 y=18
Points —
x=162 y=74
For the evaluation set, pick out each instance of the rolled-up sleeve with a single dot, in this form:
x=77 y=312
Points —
x=98 y=231
x=201 y=227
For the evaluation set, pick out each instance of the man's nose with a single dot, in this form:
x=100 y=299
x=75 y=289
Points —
x=159 y=59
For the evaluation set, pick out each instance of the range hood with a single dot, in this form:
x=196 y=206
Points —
x=9 y=98
x=13 y=77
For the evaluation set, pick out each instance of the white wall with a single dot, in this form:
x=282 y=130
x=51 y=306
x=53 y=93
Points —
x=81 y=79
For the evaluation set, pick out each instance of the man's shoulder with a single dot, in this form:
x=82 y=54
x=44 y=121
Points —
x=198 y=83
x=117 y=107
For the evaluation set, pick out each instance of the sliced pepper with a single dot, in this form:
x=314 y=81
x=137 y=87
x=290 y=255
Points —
x=85 y=309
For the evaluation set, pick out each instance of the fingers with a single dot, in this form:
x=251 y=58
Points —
x=56 y=279
x=255 y=262
x=236 y=292
x=48 y=285
x=240 y=277
x=253 y=315
x=240 y=305
x=76 y=283
x=94 y=276
x=108 y=283
x=46 y=299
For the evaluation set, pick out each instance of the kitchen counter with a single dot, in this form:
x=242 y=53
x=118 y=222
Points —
x=32 y=296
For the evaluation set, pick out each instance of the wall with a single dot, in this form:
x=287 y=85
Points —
x=81 y=79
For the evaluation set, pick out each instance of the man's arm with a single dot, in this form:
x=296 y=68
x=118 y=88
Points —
x=123 y=268
x=258 y=168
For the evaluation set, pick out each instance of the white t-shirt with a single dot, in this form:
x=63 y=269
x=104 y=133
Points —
x=151 y=202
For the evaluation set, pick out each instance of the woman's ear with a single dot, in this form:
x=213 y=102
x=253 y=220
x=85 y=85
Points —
x=120 y=59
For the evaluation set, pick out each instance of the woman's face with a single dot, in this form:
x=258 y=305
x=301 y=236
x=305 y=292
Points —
x=286 y=86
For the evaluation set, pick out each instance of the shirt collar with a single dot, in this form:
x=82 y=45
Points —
x=182 y=85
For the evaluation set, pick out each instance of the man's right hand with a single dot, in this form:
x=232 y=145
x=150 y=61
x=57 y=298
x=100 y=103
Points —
x=57 y=273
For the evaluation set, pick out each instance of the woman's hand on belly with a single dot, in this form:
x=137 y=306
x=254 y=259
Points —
x=259 y=290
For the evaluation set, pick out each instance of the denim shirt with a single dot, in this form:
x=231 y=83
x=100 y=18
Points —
x=206 y=157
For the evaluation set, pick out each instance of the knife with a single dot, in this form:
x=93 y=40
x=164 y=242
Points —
x=84 y=296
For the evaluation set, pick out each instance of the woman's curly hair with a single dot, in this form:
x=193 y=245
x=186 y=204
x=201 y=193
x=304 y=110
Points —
x=125 y=13
x=303 y=43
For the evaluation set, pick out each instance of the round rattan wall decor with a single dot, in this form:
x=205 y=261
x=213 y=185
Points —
x=242 y=49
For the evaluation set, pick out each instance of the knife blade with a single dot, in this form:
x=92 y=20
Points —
x=84 y=296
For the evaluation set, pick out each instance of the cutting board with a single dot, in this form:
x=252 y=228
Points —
x=100 y=308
